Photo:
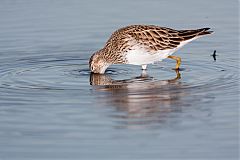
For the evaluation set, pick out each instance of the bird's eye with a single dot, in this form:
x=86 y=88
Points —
x=92 y=68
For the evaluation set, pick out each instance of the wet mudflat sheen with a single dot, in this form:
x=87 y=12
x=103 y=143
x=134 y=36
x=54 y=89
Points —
x=51 y=107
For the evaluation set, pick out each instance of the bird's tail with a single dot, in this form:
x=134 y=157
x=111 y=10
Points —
x=204 y=31
x=189 y=34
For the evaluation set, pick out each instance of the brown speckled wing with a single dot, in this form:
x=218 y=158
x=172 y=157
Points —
x=161 y=38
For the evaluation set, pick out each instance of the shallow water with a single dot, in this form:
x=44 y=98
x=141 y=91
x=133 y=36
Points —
x=51 y=107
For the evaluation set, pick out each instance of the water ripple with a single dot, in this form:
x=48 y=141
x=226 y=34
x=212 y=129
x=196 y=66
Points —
x=66 y=74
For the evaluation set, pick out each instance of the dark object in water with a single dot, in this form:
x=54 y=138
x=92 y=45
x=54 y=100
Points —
x=214 y=55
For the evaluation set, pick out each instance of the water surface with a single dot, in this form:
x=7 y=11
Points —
x=51 y=107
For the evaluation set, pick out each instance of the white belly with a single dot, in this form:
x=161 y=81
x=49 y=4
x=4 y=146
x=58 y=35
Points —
x=140 y=56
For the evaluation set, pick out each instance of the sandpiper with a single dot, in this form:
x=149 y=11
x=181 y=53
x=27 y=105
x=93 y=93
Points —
x=142 y=45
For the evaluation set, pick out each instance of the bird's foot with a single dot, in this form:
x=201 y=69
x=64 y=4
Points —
x=178 y=69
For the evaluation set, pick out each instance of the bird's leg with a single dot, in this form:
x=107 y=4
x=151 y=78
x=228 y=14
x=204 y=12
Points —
x=144 y=74
x=178 y=59
x=178 y=76
x=144 y=67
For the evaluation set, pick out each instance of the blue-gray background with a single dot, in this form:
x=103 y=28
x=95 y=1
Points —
x=49 y=110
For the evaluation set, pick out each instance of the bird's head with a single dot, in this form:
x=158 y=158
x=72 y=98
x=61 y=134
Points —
x=97 y=63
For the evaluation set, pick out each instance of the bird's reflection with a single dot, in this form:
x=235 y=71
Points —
x=141 y=100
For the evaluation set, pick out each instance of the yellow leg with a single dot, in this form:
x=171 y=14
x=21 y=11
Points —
x=178 y=59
